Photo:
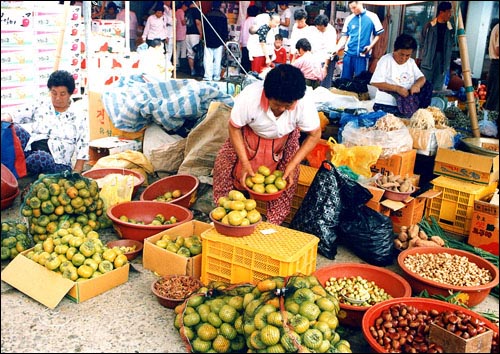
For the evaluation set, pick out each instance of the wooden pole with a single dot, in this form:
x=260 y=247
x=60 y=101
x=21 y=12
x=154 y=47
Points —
x=469 y=89
x=60 y=41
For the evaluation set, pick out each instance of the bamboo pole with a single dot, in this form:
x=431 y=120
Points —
x=60 y=41
x=469 y=89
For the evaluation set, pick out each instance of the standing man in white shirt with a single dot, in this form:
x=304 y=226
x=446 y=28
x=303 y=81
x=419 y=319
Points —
x=156 y=28
x=168 y=15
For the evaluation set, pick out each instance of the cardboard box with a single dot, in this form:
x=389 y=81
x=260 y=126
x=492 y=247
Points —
x=374 y=203
x=111 y=28
x=111 y=145
x=378 y=193
x=466 y=166
x=410 y=211
x=100 y=125
x=484 y=226
x=399 y=164
x=452 y=343
x=49 y=287
x=164 y=262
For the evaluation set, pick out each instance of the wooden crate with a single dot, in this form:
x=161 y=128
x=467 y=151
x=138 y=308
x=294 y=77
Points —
x=452 y=343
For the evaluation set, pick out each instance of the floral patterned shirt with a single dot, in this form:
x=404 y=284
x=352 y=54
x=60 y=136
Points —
x=67 y=132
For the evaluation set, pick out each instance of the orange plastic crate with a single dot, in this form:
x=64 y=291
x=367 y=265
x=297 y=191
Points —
x=306 y=176
x=453 y=208
x=257 y=256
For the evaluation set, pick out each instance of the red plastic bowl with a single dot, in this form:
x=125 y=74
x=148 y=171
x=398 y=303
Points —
x=265 y=197
x=187 y=184
x=103 y=172
x=420 y=304
x=7 y=202
x=235 y=231
x=145 y=210
x=127 y=243
x=476 y=294
x=10 y=185
x=394 y=284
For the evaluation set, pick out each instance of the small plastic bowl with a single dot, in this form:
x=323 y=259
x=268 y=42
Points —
x=186 y=183
x=127 y=243
x=10 y=185
x=398 y=196
x=234 y=231
x=178 y=282
x=265 y=197
x=98 y=173
x=7 y=202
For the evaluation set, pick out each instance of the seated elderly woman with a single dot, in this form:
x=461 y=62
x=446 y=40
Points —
x=59 y=135
x=402 y=88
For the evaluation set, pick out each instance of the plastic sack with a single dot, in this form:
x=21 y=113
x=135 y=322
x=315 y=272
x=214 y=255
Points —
x=487 y=127
x=319 y=213
x=130 y=159
x=392 y=142
x=431 y=139
x=12 y=151
x=359 y=120
x=358 y=158
x=368 y=234
x=117 y=190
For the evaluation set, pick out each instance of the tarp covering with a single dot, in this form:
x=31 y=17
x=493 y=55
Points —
x=132 y=103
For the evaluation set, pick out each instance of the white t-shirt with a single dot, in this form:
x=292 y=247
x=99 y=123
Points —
x=298 y=33
x=247 y=110
x=388 y=71
x=323 y=44
x=287 y=13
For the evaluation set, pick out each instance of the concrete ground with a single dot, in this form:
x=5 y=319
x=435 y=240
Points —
x=127 y=318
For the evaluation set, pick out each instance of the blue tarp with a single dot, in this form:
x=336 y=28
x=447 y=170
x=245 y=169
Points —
x=132 y=103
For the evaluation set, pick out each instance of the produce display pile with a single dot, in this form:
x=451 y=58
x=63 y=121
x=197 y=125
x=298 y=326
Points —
x=277 y=315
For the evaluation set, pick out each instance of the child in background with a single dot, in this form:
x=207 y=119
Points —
x=308 y=63
x=279 y=51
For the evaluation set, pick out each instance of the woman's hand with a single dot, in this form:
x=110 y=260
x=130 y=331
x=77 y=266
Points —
x=246 y=171
x=289 y=174
x=415 y=88
x=402 y=91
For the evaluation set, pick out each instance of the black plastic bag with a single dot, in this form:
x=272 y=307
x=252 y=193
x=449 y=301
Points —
x=198 y=58
x=368 y=234
x=319 y=213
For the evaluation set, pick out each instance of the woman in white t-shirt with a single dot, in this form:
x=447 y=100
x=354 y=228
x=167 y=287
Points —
x=300 y=30
x=264 y=129
x=396 y=74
